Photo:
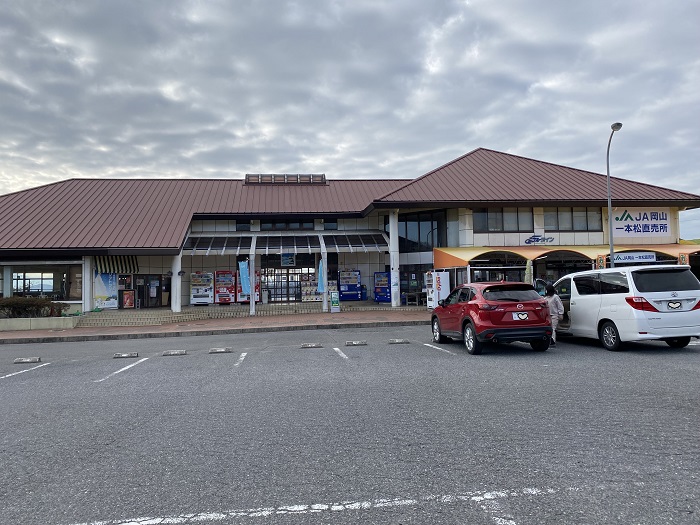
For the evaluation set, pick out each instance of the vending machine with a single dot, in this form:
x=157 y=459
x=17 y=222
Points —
x=382 y=287
x=224 y=287
x=350 y=285
x=201 y=288
x=244 y=297
x=437 y=285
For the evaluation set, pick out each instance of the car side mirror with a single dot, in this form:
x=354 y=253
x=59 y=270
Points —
x=441 y=302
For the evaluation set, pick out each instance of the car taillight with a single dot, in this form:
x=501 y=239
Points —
x=640 y=303
x=697 y=306
x=486 y=306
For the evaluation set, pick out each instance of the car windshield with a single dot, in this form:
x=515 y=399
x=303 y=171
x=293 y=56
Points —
x=675 y=279
x=516 y=293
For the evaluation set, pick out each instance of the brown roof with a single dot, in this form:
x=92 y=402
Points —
x=89 y=215
x=100 y=216
x=487 y=176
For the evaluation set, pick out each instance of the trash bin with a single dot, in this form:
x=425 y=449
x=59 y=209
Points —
x=265 y=296
x=364 y=292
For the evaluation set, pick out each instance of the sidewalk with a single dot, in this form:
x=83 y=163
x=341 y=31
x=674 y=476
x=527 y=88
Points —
x=275 y=323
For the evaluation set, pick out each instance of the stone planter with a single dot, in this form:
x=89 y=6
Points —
x=38 y=323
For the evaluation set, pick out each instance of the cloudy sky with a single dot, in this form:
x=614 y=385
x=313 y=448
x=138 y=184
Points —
x=352 y=89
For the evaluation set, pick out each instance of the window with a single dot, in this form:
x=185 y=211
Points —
x=573 y=219
x=330 y=224
x=563 y=289
x=243 y=226
x=488 y=220
x=64 y=283
x=664 y=280
x=614 y=282
x=420 y=232
x=282 y=225
x=587 y=284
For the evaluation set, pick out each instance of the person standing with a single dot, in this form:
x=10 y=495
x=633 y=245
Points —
x=556 y=310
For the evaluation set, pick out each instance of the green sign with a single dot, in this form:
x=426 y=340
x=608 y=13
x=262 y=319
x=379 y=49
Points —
x=335 y=302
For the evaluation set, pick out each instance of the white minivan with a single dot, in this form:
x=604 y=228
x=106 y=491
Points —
x=633 y=303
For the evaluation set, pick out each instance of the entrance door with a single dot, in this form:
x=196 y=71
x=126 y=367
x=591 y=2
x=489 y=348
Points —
x=148 y=290
x=284 y=284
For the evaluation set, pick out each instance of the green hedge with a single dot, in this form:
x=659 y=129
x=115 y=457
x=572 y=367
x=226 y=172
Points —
x=14 y=307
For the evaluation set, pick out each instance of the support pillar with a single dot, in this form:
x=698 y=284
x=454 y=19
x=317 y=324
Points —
x=394 y=258
x=176 y=284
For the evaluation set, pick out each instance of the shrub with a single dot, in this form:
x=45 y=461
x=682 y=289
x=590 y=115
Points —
x=14 y=307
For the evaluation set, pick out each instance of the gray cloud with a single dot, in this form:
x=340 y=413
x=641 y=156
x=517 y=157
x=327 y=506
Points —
x=350 y=89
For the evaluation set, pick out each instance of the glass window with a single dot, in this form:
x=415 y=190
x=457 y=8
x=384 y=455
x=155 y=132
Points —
x=613 y=282
x=587 y=284
x=525 y=220
x=521 y=292
x=580 y=220
x=496 y=220
x=332 y=224
x=595 y=219
x=665 y=280
x=565 y=219
x=243 y=226
x=510 y=219
x=265 y=226
x=550 y=219
x=563 y=289
x=481 y=220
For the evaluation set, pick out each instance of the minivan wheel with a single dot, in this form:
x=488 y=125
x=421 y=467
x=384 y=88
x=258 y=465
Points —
x=609 y=336
x=678 y=342
x=473 y=345
x=437 y=334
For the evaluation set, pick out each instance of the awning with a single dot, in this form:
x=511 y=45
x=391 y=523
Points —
x=116 y=264
x=458 y=257
x=267 y=243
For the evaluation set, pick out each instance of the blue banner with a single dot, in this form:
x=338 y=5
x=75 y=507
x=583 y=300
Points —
x=321 y=277
x=244 y=276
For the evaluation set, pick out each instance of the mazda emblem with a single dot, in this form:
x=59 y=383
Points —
x=520 y=307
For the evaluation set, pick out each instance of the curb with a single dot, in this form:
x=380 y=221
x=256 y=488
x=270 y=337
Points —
x=213 y=331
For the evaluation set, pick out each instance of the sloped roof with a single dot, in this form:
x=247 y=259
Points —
x=491 y=177
x=114 y=214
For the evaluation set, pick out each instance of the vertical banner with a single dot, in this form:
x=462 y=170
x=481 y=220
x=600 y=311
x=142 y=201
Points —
x=600 y=262
x=682 y=258
x=321 y=278
x=244 y=276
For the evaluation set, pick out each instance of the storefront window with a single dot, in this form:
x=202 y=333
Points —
x=60 y=283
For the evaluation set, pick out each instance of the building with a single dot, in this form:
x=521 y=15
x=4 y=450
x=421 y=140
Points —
x=484 y=216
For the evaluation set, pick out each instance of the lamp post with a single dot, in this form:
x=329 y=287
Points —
x=617 y=126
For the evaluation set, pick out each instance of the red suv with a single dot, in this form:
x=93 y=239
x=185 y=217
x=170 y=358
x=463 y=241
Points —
x=480 y=313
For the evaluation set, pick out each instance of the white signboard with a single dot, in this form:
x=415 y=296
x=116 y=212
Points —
x=634 y=257
x=642 y=222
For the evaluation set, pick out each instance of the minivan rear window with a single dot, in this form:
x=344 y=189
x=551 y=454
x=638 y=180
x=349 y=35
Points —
x=665 y=280
x=516 y=293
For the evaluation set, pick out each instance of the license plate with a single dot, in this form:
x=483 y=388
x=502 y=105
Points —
x=520 y=316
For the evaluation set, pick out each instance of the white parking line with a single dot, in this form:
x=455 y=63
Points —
x=340 y=353
x=486 y=501
x=240 y=359
x=438 y=348
x=23 y=371
x=120 y=370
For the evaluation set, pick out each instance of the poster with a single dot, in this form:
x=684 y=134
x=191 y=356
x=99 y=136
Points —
x=128 y=300
x=106 y=295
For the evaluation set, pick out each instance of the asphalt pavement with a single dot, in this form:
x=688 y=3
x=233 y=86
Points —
x=273 y=323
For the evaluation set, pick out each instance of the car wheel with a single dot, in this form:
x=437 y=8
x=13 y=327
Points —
x=609 y=336
x=437 y=334
x=678 y=342
x=540 y=345
x=473 y=345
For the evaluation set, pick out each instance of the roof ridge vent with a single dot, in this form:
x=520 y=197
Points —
x=286 y=178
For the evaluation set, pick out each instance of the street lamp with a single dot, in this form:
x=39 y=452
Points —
x=617 y=126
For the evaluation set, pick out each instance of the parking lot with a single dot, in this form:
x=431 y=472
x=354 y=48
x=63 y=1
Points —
x=364 y=425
